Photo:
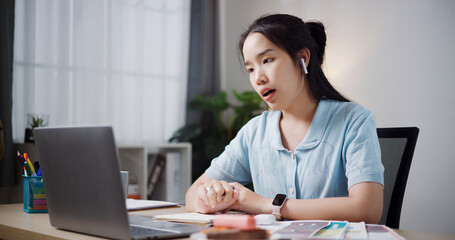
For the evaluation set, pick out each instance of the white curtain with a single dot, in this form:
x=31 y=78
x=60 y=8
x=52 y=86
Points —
x=102 y=62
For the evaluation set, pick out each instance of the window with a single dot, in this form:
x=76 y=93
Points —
x=112 y=62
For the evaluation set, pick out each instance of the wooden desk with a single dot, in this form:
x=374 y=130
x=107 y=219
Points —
x=16 y=224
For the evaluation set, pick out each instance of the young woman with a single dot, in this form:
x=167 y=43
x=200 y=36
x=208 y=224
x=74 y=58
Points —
x=314 y=155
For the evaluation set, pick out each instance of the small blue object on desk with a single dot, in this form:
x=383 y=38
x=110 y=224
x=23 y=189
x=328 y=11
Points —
x=34 y=196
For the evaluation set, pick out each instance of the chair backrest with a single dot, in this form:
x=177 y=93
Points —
x=397 y=150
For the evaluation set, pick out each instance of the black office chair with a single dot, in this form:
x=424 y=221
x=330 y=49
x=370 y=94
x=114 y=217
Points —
x=397 y=149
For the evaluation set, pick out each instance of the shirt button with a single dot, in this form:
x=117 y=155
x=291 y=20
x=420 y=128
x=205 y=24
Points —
x=291 y=190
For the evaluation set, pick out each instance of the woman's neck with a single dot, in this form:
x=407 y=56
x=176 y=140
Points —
x=295 y=123
x=302 y=111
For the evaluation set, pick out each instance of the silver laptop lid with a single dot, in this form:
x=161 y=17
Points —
x=82 y=180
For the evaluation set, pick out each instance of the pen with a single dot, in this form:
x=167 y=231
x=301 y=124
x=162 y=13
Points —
x=32 y=169
x=22 y=160
x=37 y=168
x=28 y=171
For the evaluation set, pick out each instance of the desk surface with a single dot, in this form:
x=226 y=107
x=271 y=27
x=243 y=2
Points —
x=16 y=224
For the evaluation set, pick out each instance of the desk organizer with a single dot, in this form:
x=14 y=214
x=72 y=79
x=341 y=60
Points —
x=34 y=197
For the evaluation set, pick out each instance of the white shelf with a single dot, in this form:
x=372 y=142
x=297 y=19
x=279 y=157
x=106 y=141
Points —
x=135 y=159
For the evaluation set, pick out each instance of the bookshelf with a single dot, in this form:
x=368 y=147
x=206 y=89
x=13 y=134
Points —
x=138 y=160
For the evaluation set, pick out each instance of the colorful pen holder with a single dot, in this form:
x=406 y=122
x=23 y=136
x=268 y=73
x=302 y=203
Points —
x=34 y=197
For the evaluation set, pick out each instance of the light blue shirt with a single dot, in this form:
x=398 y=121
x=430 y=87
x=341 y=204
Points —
x=340 y=149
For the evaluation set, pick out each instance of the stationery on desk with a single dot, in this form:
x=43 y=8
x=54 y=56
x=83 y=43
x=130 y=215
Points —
x=192 y=217
x=34 y=197
x=134 y=204
x=312 y=229
x=307 y=229
x=29 y=168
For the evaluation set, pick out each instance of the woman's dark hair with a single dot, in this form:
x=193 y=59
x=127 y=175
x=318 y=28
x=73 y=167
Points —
x=292 y=34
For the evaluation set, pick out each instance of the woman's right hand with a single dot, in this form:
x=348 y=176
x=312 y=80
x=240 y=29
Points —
x=214 y=196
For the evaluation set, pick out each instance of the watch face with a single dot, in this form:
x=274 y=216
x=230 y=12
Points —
x=279 y=199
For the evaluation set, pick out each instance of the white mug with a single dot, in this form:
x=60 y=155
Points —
x=124 y=175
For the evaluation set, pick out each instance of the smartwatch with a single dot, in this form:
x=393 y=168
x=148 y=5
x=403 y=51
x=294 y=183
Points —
x=277 y=204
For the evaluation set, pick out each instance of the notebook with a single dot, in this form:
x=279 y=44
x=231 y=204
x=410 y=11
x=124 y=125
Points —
x=83 y=186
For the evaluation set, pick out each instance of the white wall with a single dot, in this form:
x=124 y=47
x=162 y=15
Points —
x=397 y=59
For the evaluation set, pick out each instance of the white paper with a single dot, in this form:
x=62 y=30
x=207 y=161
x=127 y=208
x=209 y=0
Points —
x=275 y=227
x=356 y=230
x=133 y=204
x=187 y=217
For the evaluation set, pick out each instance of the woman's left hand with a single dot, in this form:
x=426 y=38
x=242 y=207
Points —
x=250 y=202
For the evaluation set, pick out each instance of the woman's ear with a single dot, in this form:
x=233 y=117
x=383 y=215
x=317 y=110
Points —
x=305 y=54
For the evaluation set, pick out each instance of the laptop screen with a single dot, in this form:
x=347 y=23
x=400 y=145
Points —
x=82 y=180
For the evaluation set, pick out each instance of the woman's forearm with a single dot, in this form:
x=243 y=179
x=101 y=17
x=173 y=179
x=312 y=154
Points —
x=363 y=204
x=191 y=197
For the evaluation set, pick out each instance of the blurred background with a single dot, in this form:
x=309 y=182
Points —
x=136 y=65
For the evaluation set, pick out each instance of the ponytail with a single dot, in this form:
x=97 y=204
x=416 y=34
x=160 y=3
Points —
x=317 y=32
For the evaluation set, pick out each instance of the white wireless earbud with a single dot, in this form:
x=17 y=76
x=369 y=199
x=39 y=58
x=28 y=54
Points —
x=304 y=66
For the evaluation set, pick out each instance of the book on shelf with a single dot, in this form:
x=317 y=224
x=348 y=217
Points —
x=158 y=162
x=174 y=177
x=166 y=181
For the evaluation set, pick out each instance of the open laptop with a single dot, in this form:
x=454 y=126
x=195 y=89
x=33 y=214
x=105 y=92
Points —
x=83 y=186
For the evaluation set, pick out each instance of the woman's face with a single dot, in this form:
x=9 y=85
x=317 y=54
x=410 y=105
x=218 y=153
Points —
x=273 y=74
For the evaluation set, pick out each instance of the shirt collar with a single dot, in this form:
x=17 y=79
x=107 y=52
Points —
x=318 y=125
x=275 y=140
x=315 y=132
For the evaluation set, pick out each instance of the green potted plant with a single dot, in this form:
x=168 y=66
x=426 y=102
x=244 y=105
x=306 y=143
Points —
x=35 y=120
x=208 y=141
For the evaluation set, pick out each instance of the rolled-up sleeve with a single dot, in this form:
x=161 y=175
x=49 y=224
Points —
x=232 y=165
x=363 y=153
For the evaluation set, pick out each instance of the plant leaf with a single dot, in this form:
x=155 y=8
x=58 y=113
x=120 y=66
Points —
x=186 y=133
x=248 y=97
x=210 y=103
